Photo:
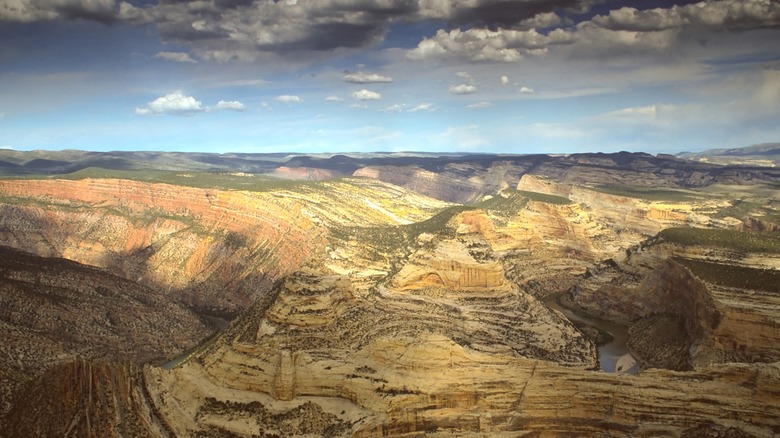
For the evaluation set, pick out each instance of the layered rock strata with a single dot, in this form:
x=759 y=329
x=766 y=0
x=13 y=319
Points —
x=216 y=249
x=658 y=288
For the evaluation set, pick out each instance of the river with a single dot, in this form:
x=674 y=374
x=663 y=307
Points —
x=216 y=322
x=614 y=355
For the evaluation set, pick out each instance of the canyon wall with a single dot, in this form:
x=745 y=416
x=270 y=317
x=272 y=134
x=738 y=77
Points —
x=215 y=249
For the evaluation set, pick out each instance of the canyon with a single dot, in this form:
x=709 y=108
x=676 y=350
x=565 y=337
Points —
x=387 y=295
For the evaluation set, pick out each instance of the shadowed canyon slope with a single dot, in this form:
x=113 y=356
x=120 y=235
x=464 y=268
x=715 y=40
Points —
x=406 y=298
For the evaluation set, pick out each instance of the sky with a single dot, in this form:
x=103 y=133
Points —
x=503 y=76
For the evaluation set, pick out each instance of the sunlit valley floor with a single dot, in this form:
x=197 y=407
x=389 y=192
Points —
x=388 y=295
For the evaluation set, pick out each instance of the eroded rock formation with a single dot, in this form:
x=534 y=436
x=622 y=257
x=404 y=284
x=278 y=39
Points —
x=394 y=314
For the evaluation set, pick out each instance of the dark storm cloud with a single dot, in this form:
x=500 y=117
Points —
x=230 y=29
x=45 y=10
x=328 y=36
x=495 y=14
x=495 y=30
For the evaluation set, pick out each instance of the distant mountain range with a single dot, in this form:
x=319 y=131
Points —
x=765 y=154
x=317 y=166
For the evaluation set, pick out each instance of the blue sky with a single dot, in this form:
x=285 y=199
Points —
x=524 y=76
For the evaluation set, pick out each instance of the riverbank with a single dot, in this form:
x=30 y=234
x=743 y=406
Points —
x=218 y=324
x=612 y=339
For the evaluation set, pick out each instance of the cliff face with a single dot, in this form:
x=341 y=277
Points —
x=460 y=182
x=217 y=249
x=450 y=266
x=357 y=358
x=664 y=287
x=632 y=214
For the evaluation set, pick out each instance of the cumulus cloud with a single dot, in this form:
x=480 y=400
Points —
x=232 y=105
x=730 y=14
x=652 y=30
x=286 y=98
x=366 y=78
x=502 y=45
x=463 y=89
x=541 y=21
x=504 y=80
x=175 y=103
x=179 y=104
x=333 y=99
x=244 y=29
x=497 y=30
x=366 y=95
x=27 y=11
x=175 y=57
x=526 y=90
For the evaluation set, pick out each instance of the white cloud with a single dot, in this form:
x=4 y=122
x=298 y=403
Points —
x=732 y=14
x=366 y=78
x=402 y=107
x=366 y=95
x=397 y=108
x=478 y=105
x=175 y=103
x=621 y=32
x=333 y=99
x=542 y=20
x=530 y=93
x=463 y=89
x=502 y=45
x=286 y=98
x=425 y=106
x=175 y=57
x=504 y=80
x=232 y=105
x=649 y=110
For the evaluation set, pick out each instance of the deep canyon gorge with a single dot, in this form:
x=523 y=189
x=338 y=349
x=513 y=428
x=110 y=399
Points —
x=388 y=295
